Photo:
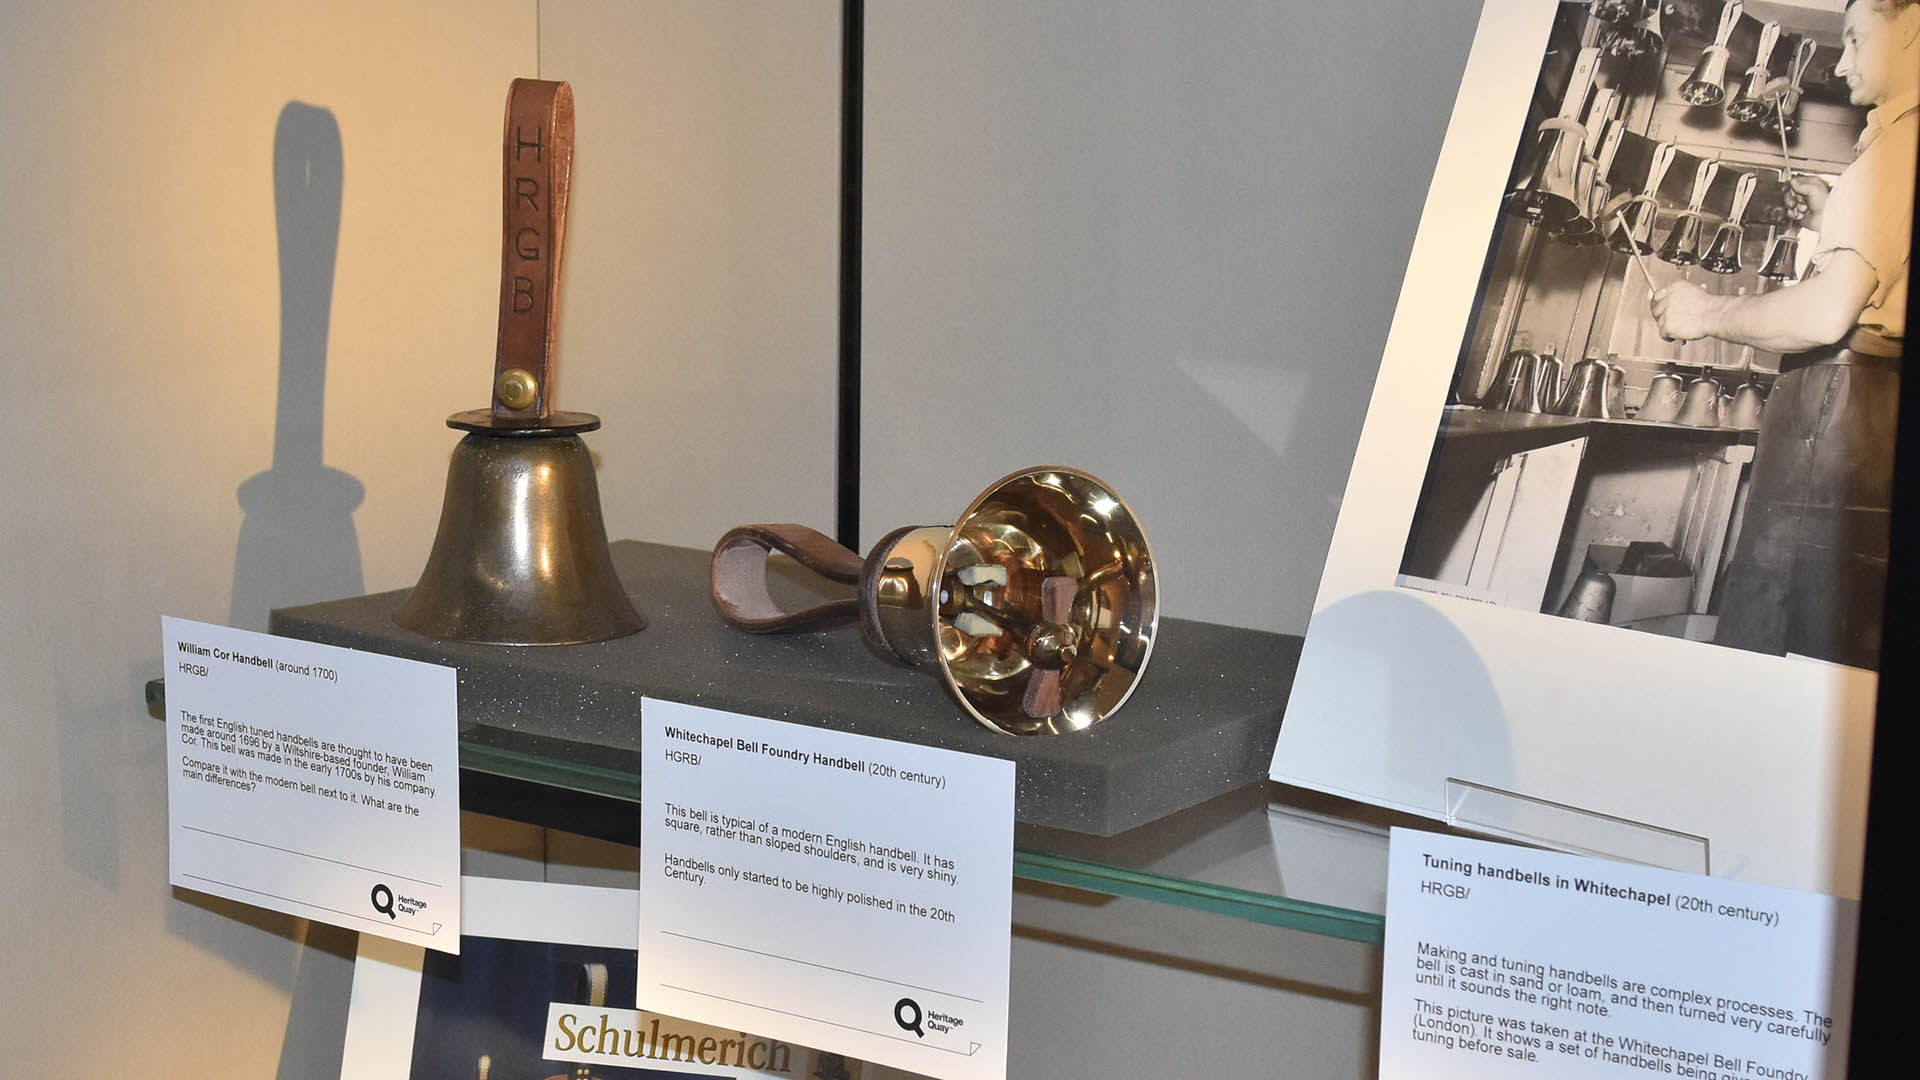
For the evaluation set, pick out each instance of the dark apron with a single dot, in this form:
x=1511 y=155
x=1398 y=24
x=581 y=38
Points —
x=1809 y=570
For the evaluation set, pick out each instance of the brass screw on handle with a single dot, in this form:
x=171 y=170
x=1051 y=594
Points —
x=516 y=388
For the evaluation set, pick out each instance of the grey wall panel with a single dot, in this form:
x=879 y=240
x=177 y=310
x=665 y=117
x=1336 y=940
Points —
x=1110 y=988
x=1159 y=241
x=700 y=317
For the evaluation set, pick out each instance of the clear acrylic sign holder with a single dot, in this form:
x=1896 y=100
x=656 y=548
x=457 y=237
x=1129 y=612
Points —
x=1508 y=815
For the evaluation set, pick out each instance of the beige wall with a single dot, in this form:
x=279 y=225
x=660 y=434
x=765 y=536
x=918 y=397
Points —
x=1114 y=220
x=142 y=337
x=144 y=348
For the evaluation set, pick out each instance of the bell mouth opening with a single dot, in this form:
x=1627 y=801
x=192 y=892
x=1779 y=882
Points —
x=1045 y=603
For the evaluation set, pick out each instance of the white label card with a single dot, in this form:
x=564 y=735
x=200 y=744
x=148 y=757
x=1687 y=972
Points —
x=837 y=890
x=1503 y=961
x=314 y=780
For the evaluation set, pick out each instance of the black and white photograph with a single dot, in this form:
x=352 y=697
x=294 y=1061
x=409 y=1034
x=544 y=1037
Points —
x=1673 y=408
x=1613 y=540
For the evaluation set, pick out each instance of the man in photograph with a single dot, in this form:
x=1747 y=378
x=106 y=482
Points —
x=1809 y=569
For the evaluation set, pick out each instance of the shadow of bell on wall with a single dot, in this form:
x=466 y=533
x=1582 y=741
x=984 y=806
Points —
x=297 y=542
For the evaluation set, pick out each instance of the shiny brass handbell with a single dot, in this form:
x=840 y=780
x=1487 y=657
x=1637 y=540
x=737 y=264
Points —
x=1783 y=256
x=1038 y=608
x=1513 y=383
x=521 y=555
x=1683 y=242
x=1550 y=193
x=1635 y=40
x=1645 y=207
x=1782 y=118
x=1751 y=103
x=1604 y=135
x=1723 y=255
x=1546 y=384
x=1757 y=91
x=1581 y=230
x=1586 y=392
x=1616 y=401
x=1707 y=84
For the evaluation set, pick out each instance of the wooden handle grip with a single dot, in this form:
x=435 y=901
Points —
x=538 y=157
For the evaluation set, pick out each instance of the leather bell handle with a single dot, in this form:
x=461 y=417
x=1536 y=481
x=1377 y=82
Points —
x=1702 y=181
x=1729 y=18
x=738 y=578
x=1043 y=695
x=538 y=157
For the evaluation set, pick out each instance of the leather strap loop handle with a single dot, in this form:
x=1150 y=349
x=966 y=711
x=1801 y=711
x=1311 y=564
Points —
x=538 y=160
x=738 y=578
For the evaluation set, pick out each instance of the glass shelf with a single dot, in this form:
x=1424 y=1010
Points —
x=1268 y=853
x=1283 y=911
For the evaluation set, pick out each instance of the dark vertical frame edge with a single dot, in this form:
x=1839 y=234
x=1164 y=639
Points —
x=846 y=527
x=1882 y=967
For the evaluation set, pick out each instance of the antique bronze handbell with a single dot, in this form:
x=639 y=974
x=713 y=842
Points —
x=521 y=556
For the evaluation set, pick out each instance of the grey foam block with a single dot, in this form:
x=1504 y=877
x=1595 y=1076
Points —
x=1201 y=723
